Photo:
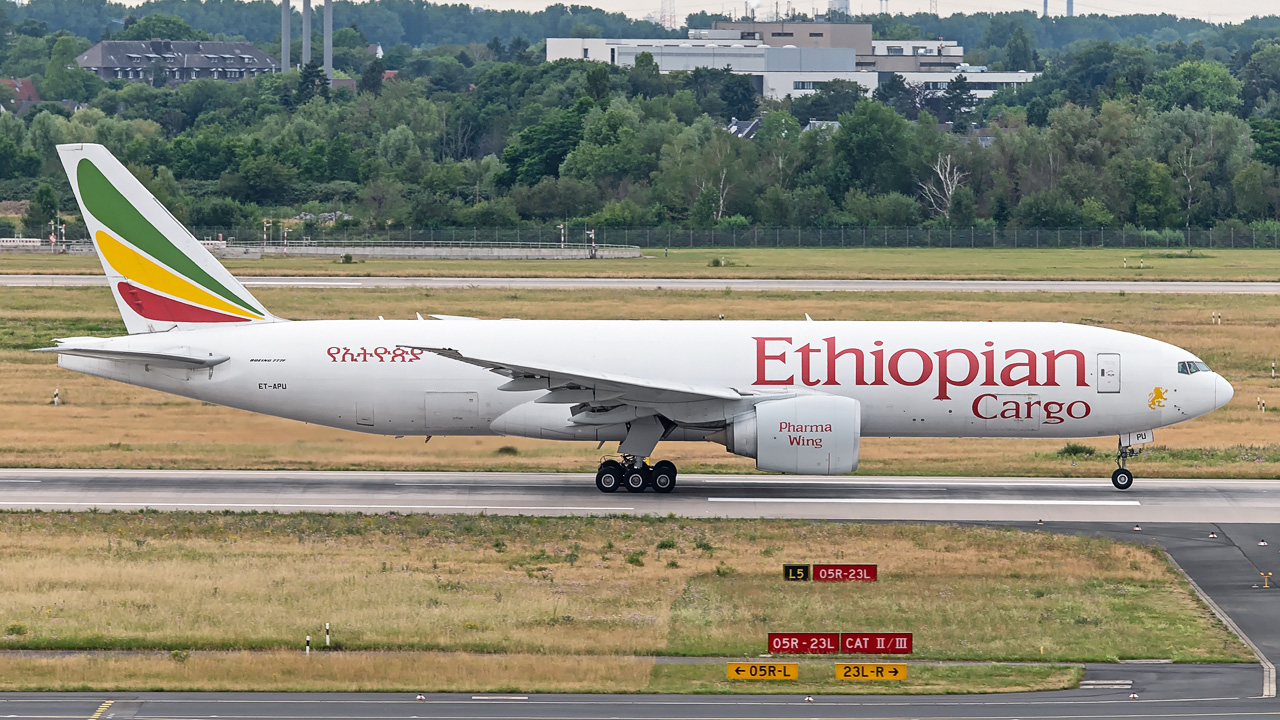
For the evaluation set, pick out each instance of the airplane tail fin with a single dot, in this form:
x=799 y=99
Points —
x=161 y=276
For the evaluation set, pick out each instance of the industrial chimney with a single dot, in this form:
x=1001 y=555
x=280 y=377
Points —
x=285 y=48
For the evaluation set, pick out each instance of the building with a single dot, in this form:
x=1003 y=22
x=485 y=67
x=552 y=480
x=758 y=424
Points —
x=776 y=71
x=788 y=58
x=179 y=60
x=855 y=36
x=24 y=96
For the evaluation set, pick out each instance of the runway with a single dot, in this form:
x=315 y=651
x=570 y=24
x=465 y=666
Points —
x=806 y=285
x=961 y=499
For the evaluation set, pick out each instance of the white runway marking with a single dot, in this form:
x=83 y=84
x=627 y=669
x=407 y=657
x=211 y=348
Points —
x=19 y=481
x=928 y=501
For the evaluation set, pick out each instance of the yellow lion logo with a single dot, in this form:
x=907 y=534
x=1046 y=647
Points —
x=1156 y=398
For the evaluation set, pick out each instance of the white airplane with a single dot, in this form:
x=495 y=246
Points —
x=796 y=396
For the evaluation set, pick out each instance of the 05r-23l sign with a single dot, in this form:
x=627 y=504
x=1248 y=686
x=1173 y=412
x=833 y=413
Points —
x=840 y=643
x=829 y=573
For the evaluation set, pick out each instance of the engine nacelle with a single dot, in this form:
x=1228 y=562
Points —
x=811 y=434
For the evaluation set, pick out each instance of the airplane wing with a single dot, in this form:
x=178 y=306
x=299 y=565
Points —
x=175 y=357
x=605 y=387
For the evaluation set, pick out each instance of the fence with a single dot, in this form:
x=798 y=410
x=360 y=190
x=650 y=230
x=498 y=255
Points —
x=748 y=237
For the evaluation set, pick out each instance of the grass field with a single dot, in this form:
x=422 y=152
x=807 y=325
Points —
x=799 y=263
x=111 y=425
x=558 y=587
x=411 y=672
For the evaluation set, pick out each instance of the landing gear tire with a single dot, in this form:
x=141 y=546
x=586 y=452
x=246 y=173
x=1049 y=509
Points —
x=664 y=476
x=609 y=476
x=636 y=478
x=1122 y=479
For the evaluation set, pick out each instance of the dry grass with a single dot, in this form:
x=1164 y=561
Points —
x=112 y=425
x=583 y=586
x=798 y=263
x=324 y=672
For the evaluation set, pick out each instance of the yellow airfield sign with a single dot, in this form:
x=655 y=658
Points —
x=870 y=671
x=764 y=671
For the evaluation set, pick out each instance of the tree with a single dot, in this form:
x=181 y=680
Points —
x=165 y=27
x=42 y=208
x=957 y=102
x=1252 y=189
x=703 y=20
x=311 y=82
x=739 y=96
x=1261 y=75
x=1197 y=84
x=1266 y=140
x=644 y=78
x=1018 y=54
x=908 y=99
x=598 y=82
x=939 y=192
x=537 y=151
x=371 y=78
x=63 y=78
x=871 y=151
x=832 y=99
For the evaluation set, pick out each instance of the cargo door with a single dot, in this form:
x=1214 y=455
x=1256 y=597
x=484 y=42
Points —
x=1108 y=372
x=452 y=411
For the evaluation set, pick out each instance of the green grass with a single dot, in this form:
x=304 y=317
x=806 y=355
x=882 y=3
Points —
x=764 y=262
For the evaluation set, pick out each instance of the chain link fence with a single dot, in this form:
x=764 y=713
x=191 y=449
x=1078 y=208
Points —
x=746 y=237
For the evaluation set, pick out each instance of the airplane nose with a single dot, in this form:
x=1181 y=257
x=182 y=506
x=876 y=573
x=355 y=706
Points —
x=1223 y=392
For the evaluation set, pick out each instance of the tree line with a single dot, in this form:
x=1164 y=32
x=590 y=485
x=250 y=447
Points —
x=1130 y=133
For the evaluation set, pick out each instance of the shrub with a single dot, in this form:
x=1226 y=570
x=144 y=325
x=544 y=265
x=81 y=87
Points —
x=1075 y=449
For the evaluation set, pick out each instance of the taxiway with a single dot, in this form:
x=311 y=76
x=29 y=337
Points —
x=743 y=284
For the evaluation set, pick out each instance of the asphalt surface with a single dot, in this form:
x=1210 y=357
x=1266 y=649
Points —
x=1226 y=568
x=962 y=499
x=1079 y=286
x=1184 y=691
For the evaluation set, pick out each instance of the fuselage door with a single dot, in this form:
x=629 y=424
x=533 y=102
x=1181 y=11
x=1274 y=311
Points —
x=452 y=411
x=1108 y=372
x=364 y=414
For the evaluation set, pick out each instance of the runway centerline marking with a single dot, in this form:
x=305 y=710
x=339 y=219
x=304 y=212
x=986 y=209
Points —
x=929 y=501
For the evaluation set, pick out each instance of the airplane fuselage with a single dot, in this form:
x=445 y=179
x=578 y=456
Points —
x=917 y=379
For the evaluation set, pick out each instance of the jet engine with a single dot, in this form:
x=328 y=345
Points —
x=810 y=434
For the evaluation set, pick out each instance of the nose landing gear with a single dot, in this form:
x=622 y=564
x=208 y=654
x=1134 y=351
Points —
x=635 y=475
x=1122 y=478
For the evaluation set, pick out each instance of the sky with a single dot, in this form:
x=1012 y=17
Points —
x=1232 y=12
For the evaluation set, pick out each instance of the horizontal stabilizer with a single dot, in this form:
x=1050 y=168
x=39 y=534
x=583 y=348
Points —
x=176 y=357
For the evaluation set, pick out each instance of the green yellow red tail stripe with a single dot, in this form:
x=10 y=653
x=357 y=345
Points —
x=111 y=208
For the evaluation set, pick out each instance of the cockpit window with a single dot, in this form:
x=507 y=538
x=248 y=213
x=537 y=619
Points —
x=1191 y=367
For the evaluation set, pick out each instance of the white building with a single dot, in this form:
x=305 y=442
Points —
x=781 y=69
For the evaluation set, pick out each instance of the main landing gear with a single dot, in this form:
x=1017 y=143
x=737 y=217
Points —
x=635 y=475
x=1122 y=478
